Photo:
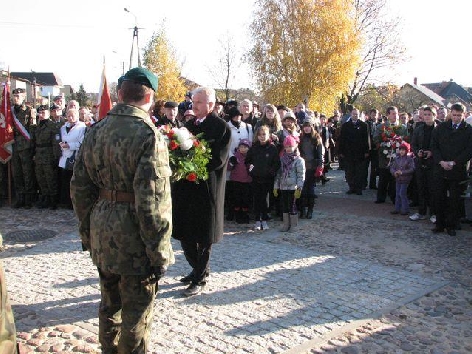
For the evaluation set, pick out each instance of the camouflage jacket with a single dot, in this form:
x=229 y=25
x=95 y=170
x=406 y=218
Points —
x=46 y=140
x=23 y=114
x=125 y=153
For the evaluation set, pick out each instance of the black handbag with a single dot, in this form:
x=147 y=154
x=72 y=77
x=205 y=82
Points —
x=70 y=161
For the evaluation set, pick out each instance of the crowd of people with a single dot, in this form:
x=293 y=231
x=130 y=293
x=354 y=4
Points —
x=264 y=164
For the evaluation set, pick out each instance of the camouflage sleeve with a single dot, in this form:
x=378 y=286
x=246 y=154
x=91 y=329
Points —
x=153 y=201
x=7 y=321
x=84 y=194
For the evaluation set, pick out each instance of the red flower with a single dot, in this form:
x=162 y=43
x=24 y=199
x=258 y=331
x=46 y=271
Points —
x=192 y=177
x=173 y=145
x=170 y=134
x=196 y=143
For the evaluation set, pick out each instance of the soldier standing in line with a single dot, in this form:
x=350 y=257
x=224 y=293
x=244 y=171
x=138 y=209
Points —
x=22 y=157
x=121 y=194
x=46 y=158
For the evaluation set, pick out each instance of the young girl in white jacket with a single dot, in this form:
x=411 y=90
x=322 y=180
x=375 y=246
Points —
x=289 y=181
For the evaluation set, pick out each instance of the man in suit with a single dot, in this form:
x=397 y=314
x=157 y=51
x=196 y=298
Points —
x=198 y=208
x=354 y=149
x=452 y=149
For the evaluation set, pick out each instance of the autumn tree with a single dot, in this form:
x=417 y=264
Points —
x=160 y=58
x=381 y=44
x=304 y=50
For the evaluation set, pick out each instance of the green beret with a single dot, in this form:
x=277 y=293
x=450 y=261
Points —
x=18 y=90
x=142 y=76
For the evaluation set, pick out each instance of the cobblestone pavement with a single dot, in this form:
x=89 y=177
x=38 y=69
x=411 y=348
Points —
x=354 y=279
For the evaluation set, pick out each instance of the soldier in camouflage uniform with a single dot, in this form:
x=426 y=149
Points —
x=121 y=194
x=47 y=152
x=22 y=157
x=7 y=321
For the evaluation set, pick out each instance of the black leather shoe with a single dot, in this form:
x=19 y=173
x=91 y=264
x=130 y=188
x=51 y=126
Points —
x=394 y=212
x=350 y=192
x=379 y=201
x=187 y=279
x=437 y=230
x=194 y=289
x=451 y=232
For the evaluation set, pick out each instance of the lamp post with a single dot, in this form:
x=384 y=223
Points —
x=135 y=35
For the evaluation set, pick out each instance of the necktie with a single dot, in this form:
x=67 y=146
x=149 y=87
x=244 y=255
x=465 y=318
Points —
x=455 y=126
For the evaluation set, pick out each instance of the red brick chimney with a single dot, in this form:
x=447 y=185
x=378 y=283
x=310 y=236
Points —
x=415 y=81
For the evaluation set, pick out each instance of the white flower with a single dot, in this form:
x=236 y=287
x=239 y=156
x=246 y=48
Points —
x=385 y=151
x=184 y=138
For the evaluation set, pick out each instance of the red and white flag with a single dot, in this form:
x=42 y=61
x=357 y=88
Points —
x=104 y=98
x=6 y=125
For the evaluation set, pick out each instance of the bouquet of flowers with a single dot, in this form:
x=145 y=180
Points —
x=188 y=154
x=390 y=141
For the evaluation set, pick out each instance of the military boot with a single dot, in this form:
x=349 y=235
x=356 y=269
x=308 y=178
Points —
x=42 y=202
x=20 y=201
x=52 y=202
x=28 y=203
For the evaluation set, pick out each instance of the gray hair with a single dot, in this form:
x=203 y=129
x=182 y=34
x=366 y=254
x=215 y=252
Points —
x=209 y=93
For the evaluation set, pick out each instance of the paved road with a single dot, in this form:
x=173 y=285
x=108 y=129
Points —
x=354 y=279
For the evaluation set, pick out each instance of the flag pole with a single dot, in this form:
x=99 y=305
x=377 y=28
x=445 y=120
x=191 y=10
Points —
x=9 y=161
x=9 y=182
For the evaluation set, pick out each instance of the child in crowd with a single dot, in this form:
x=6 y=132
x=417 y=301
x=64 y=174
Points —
x=311 y=149
x=241 y=182
x=289 y=180
x=263 y=162
x=402 y=169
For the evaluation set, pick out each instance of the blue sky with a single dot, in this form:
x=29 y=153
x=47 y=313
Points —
x=72 y=42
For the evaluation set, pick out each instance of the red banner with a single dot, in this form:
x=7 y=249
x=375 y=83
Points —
x=6 y=125
x=104 y=98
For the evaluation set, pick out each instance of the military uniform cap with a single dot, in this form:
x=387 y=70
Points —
x=120 y=81
x=142 y=76
x=19 y=90
x=42 y=108
x=54 y=107
x=57 y=98
x=171 y=104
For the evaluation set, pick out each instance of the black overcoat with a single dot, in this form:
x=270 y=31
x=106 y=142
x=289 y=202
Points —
x=198 y=209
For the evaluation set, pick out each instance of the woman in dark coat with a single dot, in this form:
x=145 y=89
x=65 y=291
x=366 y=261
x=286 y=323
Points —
x=198 y=208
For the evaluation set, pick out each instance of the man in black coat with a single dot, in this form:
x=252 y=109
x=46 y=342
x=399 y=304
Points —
x=354 y=149
x=198 y=208
x=452 y=149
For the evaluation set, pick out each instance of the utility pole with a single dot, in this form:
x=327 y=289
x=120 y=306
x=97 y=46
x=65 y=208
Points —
x=135 y=35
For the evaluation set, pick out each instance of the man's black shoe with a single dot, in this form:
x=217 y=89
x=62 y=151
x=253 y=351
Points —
x=373 y=187
x=187 y=279
x=350 y=192
x=451 y=232
x=437 y=230
x=359 y=192
x=194 y=289
x=379 y=201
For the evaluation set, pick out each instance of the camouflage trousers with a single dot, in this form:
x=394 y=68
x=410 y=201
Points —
x=125 y=313
x=7 y=322
x=23 y=171
x=46 y=174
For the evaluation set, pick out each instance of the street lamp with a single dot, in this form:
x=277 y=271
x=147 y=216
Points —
x=135 y=35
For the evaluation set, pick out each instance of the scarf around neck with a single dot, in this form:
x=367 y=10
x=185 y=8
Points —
x=287 y=162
